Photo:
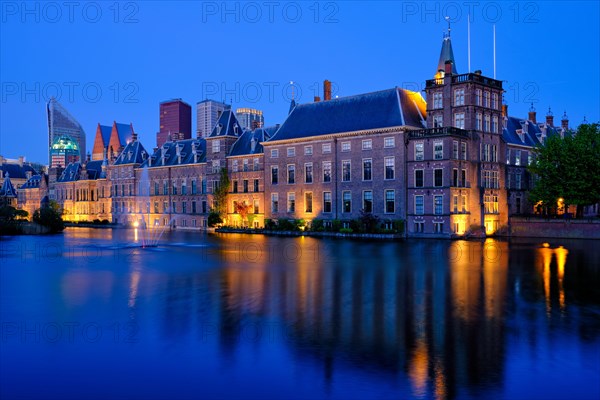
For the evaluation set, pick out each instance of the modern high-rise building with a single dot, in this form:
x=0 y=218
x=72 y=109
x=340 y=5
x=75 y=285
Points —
x=175 y=121
x=61 y=123
x=208 y=113
x=250 y=118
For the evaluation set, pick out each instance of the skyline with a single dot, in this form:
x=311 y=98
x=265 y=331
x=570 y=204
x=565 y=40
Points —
x=547 y=75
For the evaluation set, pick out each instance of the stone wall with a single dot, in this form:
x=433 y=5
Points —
x=555 y=228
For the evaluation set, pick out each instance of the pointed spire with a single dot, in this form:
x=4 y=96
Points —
x=446 y=54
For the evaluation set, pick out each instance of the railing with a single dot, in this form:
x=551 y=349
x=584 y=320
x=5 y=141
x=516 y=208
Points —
x=470 y=77
x=446 y=130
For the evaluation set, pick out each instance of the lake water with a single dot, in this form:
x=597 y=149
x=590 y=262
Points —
x=85 y=315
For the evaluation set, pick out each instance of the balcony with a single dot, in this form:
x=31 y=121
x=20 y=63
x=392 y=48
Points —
x=462 y=78
x=444 y=131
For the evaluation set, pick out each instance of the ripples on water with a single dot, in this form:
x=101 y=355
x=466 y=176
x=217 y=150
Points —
x=92 y=314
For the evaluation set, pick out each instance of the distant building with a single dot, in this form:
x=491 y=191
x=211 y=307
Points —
x=250 y=118
x=62 y=123
x=19 y=170
x=208 y=113
x=64 y=150
x=175 y=121
x=111 y=140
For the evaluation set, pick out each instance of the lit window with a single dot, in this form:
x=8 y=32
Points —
x=438 y=150
x=368 y=201
x=419 y=205
x=419 y=151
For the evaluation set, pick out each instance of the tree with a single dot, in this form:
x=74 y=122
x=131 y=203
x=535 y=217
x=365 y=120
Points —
x=221 y=192
x=10 y=218
x=243 y=209
x=567 y=168
x=50 y=216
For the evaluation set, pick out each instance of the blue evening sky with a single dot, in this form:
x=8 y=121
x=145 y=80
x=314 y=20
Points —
x=110 y=61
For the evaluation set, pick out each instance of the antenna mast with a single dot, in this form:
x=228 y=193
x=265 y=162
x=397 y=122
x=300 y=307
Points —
x=494 y=51
x=469 y=41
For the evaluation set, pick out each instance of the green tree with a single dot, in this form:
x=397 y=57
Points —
x=568 y=168
x=220 y=194
x=50 y=216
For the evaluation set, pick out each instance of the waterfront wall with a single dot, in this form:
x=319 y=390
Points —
x=559 y=228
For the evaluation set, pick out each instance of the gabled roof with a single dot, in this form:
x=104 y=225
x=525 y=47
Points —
x=125 y=132
x=244 y=145
x=71 y=172
x=105 y=131
x=181 y=152
x=16 y=171
x=227 y=125
x=7 y=189
x=133 y=153
x=383 y=109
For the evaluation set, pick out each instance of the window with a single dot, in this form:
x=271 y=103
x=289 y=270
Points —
x=390 y=201
x=508 y=156
x=518 y=205
x=438 y=150
x=174 y=187
x=455 y=150
x=438 y=121
x=291 y=174
x=245 y=164
x=291 y=202
x=438 y=205
x=216 y=166
x=419 y=205
x=156 y=207
x=490 y=204
x=490 y=179
x=455 y=177
x=494 y=153
x=274 y=202
x=235 y=165
x=326 y=148
x=346 y=201
x=518 y=180
x=274 y=153
x=326 y=171
x=517 y=157
x=194 y=207
x=256 y=206
x=459 y=97
x=438 y=178
x=529 y=160
x=459 y=120
x=216 y=146
x=495 y=124
x=291 y=151
x=437 y=100
x=174 y=207
x=346 y=146
x=478 y=97
x=455 y=203
x=203 y=185
x=418 y=178
x=327 y=202
x=485 y=152
x=346 y=171
x=389 y=142
x=274 y=174
x=245 y=185
x=184 y=207
x=419 y=227
x=155 y=189
x=438 y=227
x=390 y=167
x=495 y=101
x=486 y=123
x=368 y=201
x=486 y=99
x=463 y=151
x=308 y=202
x=478 y=121
x=464 y=203
x=256 y=188
x=367 y=144
x=204 y=206
x=308 y=173
x=308 y=150
x=165 y=188
x=194 y=187
x=419 y=151
x=235 y=186
x=256 y=164
x=463 y=178
x=367 y=166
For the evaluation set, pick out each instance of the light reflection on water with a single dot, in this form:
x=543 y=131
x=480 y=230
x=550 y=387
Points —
x=238 y=316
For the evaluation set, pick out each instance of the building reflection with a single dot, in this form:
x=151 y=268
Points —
x=436 y=316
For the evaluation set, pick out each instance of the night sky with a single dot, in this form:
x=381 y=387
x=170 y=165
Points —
x=117 y=61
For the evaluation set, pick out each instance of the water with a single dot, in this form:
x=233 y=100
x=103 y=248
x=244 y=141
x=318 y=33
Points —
x=90 y=314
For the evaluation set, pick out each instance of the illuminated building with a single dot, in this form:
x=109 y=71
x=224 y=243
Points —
x=62 y=123
x=250 y=118
x=64 y=150
x=175 y=121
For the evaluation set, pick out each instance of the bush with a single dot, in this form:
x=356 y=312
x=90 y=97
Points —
x=346 y=230
x=369 y=222
x=336 y=225
x=286 y=225
x=49 y=216
x=270 y=224
x=399 y=225
x=317 y=225
x=214 y=219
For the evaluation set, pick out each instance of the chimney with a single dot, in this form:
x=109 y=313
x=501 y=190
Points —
x=564 y=122
x=326 y=90
x=317 y=99
x=448 y=68
x=532 y=114
x=550 y=117
x=88 y=157
x=21 y=159
x=478 y=72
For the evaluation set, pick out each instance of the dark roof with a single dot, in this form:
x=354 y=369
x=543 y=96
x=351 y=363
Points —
x=125 y=132
x=446 y=54
x=187 y=148
x=243 y=145
x=133 y=153
x=71 y=172
x=7 y=189
x=531 y=138
x=94 y=169
x=16 y=171
x=227 y=125
x=33 y=182
x=105 y=131
x=383 y=109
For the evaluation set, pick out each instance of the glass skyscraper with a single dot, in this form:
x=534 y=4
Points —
x=250 y=118
x=208 y=113
x=62 y=124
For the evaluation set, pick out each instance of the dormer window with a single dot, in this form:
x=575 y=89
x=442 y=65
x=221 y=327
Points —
x=521 y=134
x=219 y=127
x=235 y=129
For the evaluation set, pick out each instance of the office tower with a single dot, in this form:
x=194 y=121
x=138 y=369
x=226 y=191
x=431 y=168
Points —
x=175 y=121
x=250 y=118
x=208 y=113
x=62 y=123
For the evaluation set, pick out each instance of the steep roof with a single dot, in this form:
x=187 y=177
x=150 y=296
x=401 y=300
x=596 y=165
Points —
x=446 y=54
x=189 y=151
x=71 y=172
x=133 y=153
x=227 y=125
x=382 y=109
x=244 y=145
x=16 y=171
x=94 y=169
x=125 y=132
x=7 y=189
x=32 y=183
x=105 y=131
x=532 y=132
